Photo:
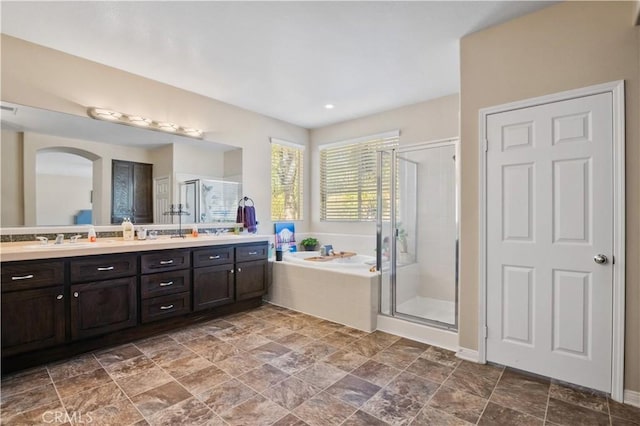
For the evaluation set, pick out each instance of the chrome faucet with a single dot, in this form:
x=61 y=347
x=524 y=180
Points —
x=43 y=240
x=59 y=239
x=75 y=238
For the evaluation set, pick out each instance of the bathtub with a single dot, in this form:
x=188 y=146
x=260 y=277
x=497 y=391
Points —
x=341 y=290
x=358 y=262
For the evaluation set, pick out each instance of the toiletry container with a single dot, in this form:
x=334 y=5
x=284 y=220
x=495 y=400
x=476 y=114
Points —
x=91 y=235
x=127 y=230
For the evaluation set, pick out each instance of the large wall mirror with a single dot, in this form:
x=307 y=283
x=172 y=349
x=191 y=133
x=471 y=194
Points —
x=62 y=169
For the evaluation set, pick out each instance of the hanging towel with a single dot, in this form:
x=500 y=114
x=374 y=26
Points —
x=250 y=219
x=240 y=215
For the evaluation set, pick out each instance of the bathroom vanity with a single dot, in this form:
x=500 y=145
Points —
x=57 y=302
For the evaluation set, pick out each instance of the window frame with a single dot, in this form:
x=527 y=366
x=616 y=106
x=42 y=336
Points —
x=299 y=179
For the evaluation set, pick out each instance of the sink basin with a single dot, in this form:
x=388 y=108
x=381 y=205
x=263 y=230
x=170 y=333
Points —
x=58 y=246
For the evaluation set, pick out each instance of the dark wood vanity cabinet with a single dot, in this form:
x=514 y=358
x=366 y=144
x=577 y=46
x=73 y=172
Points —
x=240 y=273
x=103 y=294
x=61 y=307
x=33 y=306
x=251 y=271
x=213 y=282
x=165 y=284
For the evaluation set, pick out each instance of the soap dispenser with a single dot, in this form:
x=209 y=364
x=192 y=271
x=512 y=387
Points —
x=127 y=230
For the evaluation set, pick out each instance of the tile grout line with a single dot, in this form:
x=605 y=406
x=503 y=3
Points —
x=179 y=383
x=55 y=388
x=118 y=384
x=492 y=391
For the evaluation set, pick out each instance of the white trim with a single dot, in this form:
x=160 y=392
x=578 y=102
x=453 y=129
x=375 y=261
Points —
x=632 y=397
x=433 y=336
x=468 y=355
x=287 y=143
x=383 y=135
x=616 y=88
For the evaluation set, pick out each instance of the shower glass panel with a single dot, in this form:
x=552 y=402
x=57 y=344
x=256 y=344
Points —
x=419 y=274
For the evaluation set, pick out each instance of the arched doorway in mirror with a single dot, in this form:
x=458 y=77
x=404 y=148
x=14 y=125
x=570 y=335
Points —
x=64 y=186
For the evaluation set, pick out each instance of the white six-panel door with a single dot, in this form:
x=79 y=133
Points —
x=549 y=212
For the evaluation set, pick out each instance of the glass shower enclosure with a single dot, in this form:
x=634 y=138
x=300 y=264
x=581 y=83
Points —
x=417 y=232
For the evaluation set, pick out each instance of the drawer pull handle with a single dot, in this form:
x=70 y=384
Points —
x=106 y=268
x=253 y=253
x=59 y=297
x=75 y=294
x=23 y=277
x=166 y=262
x=239 y=269
x=214 y=257
x=167 y=284
x=164 y=308
x=231 y=271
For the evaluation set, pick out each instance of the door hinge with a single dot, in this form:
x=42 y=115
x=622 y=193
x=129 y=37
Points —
x=486 y=332
x=613 y=260
x=486 y=145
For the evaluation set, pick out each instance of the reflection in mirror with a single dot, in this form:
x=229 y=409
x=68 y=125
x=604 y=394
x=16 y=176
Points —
x=64 y=183
x=38 y=144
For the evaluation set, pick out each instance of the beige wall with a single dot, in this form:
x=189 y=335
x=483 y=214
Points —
x=37 y=76
x=422 y=122
x=565 y=46
x=12 y=208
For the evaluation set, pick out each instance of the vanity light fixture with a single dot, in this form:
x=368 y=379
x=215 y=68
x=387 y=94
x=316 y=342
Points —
x=139 y=121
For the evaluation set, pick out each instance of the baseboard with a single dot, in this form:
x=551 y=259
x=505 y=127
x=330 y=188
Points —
x=632 y=397
x=468 y=354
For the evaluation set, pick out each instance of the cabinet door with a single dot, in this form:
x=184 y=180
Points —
x=131 y=192
x=103 y=306
x=32 y=319
x=212 y=286
x=251 y=279
x=142 y=193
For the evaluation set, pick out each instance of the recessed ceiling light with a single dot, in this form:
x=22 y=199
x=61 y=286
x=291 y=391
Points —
x=329 y=106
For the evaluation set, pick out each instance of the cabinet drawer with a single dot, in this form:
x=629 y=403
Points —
x=167 y=260
x=24 y=275
x=166 y=306
x=252 y=252
x=212 y=256
x=165 y=283
x=103 y=267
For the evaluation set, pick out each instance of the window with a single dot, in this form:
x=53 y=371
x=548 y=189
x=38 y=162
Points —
x=286 y=180
x=348 y=177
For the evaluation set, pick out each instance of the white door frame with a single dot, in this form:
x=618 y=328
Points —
x=616 y=88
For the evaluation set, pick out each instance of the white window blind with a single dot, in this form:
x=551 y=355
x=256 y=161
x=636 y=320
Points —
x=286 y=180
x=348 y=177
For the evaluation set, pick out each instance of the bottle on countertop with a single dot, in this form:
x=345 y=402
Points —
x=91 y=235
x=194 y=231
x=127 y=230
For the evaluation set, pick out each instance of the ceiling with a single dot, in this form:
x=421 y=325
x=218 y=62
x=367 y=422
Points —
x=286 y=60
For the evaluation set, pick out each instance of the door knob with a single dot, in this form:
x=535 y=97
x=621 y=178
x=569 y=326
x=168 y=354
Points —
x=600 y=259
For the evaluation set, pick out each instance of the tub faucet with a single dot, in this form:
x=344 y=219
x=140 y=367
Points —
x=59 y=239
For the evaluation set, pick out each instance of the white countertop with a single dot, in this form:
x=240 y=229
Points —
x=32 y=250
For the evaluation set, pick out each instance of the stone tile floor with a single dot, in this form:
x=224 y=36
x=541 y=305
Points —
x=276 y=366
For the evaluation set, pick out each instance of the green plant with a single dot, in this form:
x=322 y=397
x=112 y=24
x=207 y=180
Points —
x=309 y=242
